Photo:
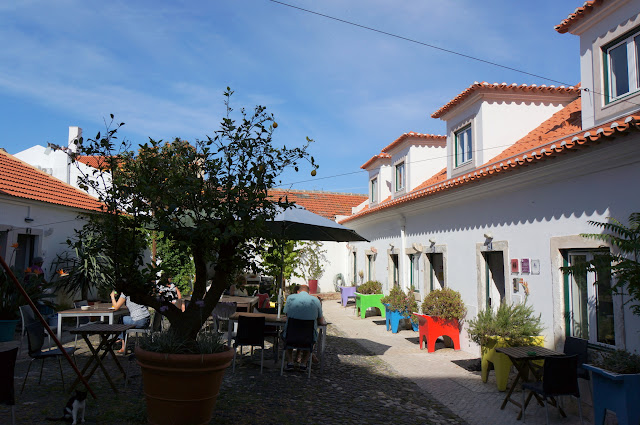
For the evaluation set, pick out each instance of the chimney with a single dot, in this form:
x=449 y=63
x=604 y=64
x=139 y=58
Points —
x=75 y=133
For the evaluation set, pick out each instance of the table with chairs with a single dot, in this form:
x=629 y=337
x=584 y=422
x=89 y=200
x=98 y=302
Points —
x=557 y=377
x=272 y=320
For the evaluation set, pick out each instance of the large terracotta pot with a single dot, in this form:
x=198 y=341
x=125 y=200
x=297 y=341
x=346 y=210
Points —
x=181 y=388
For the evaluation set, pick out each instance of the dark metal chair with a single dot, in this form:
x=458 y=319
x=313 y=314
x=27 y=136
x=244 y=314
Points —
x=28 y=316
x=271 y=331
x=559 y=377
x=7 y=389
x=300 y=336
x=250 y=332
x=578 y=347
x=35 y=336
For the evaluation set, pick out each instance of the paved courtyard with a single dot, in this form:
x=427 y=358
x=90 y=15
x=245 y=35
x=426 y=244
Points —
x=371 y=376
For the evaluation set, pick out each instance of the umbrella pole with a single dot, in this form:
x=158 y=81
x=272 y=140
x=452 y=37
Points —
x=280 y=295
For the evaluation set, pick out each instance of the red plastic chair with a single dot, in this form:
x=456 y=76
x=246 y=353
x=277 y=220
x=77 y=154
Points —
x=263 y=300
x=433 y=327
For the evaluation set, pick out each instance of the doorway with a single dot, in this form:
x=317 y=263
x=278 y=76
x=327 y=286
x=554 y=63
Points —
x=494 y=277
x=436 y=271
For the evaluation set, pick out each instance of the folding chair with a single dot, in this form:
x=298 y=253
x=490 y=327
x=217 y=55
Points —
x=250 y=332
x=272 y=331
x=221 y=313
x=559 y=377
x=300 y=336
x=7 y=390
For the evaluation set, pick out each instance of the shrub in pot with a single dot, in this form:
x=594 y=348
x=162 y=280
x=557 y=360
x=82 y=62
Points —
x=510 y=325
x=368 y=295
x=399 y=306
x=442 y=313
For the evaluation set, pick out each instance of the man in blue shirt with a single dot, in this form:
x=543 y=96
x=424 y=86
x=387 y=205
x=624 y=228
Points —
x=302 y=306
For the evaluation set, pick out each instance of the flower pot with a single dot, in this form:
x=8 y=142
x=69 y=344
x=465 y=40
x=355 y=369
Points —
x=313 y=286
x=347 y=292
x=432 y=328
x=415 y=326
x=615 y=392
x=181 y=388
x=8 y=329
x=365 y=301
x=393 y=318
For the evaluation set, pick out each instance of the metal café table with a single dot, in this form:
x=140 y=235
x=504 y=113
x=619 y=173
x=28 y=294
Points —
x=108 y=336
x=274 y=320
x=246 y=303
x=522 y=358
x=101 y=310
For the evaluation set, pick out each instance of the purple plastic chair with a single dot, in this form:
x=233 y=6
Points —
x=347 y=292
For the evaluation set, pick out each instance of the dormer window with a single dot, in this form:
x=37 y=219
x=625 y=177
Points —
x=399 y=176
x=622 y=62
x=373 y=195
x=464 y=145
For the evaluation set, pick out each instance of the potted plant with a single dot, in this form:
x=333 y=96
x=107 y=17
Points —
x=311 y=258
x=368 y=295
x=211 y=196
x=11 y=299
x=399 y=306
x=442 y=314
x=86 y=266
x=511 y=325
x=615 y=378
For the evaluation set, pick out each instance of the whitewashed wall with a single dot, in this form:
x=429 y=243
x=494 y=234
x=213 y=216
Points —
x=530 y=213
x=51 y=225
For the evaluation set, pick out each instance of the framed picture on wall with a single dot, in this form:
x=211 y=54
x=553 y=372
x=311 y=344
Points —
x=524 y=265
x=535 y=266
x=515 y=265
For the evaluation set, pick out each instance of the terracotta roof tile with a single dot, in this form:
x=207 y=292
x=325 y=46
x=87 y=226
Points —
x=374 y=158
x=503 y=87
x=413 y=134
x=19 y=179
x=91 y=161
x=326 y=204
x=577 y=15
x=548 y=149
x=566 y=121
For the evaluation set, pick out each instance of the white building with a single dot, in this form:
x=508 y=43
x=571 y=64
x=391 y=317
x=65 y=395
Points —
x=38 y=213
x=56 y=161
x=526 y=168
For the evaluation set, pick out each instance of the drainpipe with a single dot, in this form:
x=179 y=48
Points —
x=402 y=255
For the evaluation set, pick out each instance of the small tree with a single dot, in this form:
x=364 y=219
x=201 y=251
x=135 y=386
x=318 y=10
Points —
x=211 y=195
x=281 y=256
x=312 y=257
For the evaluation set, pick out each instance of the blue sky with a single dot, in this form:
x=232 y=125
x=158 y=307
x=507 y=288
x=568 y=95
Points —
x=162 y=66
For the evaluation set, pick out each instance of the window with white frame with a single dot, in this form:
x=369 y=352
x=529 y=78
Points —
x=463 y=145
x=400 y=176
x=622 y=66
x=370 y=266
x=373 y=197
x=589 y=302
x=395 y=268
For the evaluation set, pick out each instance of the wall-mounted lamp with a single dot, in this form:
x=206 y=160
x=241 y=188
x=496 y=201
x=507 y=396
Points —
x=432 y=241
x=28 y=220
x=488 y=235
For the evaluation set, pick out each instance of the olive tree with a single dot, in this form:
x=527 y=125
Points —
x=211 y=197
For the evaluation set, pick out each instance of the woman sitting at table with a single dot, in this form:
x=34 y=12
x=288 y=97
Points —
x=138 y=314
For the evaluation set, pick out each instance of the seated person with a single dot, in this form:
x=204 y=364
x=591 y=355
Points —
x=302 y=306
x=138 y=314
x=170 y=292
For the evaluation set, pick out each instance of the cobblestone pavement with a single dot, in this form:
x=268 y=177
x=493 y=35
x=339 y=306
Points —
x=370 y=376
x=440 y=375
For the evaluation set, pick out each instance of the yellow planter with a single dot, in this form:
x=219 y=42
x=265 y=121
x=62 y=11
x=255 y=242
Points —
x=501 y=362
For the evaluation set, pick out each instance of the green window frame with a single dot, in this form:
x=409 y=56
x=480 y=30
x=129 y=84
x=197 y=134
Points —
x=621 y=61
x=374 y=190
x=400 y=175
x=463 y=146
